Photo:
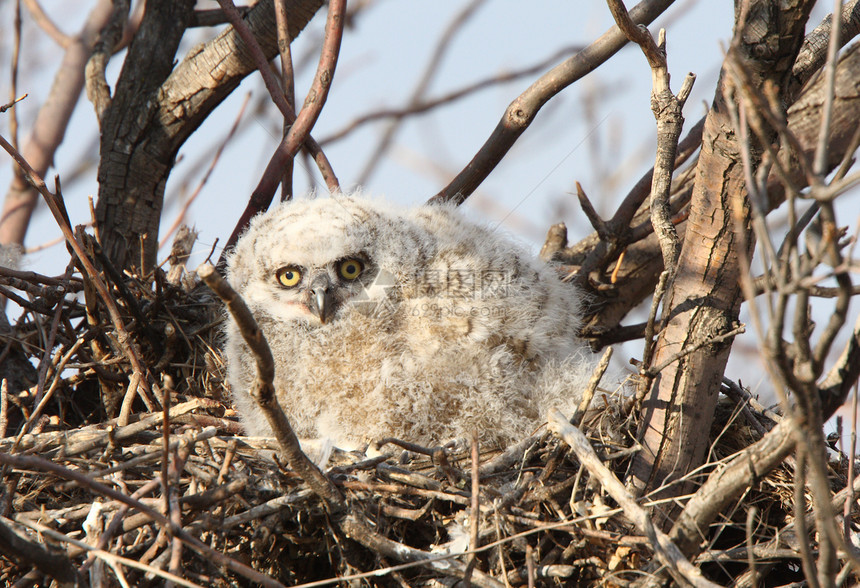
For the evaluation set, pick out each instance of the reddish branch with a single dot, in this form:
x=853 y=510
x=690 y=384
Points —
x=275 y=91
x=301 y=128
x=289 y=87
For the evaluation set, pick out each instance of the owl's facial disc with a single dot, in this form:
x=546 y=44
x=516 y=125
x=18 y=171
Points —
x=321 y=291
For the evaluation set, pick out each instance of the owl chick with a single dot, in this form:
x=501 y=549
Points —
x=409 y=323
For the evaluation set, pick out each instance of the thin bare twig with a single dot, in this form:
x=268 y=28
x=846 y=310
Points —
x=289 y=87
x=180 y=218
x=819 y=164
x=475 y=512
x=13 y=75
x=457 y=23
x=809 y=568
x=752 y=513
x=264 y=391
x=667 y=110
x=667 y=552
x=849 y=484
x=522 y=111
x=46 y=24
x=588 y=393
x=428 y=104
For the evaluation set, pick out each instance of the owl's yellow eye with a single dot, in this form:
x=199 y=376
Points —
x=289 y=276
x=350 y=269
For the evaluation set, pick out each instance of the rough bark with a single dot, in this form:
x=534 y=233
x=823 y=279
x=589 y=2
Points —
x=705 y=299
x=156 y=108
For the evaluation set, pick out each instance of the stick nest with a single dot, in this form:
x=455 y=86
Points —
x=540 y=516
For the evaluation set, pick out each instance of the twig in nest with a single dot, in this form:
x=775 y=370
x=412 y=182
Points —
x=596 y=376
x=263 y=390
x=55 y=565
x=475 y=513
x=666 y=551
x=110 y=558
x=39 y=464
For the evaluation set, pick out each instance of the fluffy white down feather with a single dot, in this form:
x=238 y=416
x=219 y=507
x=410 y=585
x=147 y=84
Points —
x=453 y=327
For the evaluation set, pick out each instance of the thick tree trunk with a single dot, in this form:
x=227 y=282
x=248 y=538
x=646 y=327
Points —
x=156 y=108
x=705 y=303
x=705 y=299
x=135 y=156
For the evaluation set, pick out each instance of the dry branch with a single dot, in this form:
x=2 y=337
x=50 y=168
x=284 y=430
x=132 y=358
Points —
x=667 y=552
x=264 y=391
x=32 y=553
x=525 y=107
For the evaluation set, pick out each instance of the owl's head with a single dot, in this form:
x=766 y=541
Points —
x=311 y=260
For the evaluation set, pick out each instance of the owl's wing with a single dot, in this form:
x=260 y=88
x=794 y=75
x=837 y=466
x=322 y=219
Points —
x=476 y=282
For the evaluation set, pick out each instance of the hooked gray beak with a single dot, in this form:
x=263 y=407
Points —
x=321 y=302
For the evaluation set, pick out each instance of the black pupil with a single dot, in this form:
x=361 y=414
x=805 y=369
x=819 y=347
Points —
x=288 y=276
x=351 y=268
